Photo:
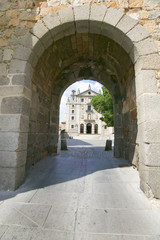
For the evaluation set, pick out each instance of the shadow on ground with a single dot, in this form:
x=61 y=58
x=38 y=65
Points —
x=81 y=159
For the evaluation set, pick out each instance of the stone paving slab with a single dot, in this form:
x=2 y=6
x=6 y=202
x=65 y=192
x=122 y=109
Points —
x=83 y=193
x=55 y=198
x=62 y=218
x=86 y=236
x=119 y=221
x=20 y=233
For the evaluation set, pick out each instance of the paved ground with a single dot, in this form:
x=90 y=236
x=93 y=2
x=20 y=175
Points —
x=81 y=194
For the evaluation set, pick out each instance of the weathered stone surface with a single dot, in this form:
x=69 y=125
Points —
x=135 y=3
x=21 y=80
x=113 y=16
x=22 y=53
x=14 y=105
x=150 y=154
x=7 y=54
x=13 y=141
x=148 y=107
x=52 y=20
x=66 y=15
x=146 y=46
x=151 y=131
x=11 y=178
x=154 y=14
x=7 y=91
x=3 y=69
x=12 y=159
x=4 y=81
x=151 y=61
x=151 y=4
x=17 y=66
x=137 y=34
x=97 y=13
x=14 y=123
x=81 y=12
x=32 y=42
x=150 y=178
x=146 y=82
x=126 y=24
x=82 y=18
x=4 y=5
x=39 y=30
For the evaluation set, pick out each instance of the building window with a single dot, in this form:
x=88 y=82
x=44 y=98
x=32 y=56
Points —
x=82 y=117
x=73 y=98
x=89 y=93
x=82 y=99
x=72 y=117
x=96 y=128
x=82 y=128
x=89 y=107
x=89 y=116
x=72 y=126
x=72 y=111
x=105 y=127
x=72 y=106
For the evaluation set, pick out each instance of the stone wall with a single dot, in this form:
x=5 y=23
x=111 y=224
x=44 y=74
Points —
x=29 y=63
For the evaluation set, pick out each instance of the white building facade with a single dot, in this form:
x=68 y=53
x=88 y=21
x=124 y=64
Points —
x=81 y=117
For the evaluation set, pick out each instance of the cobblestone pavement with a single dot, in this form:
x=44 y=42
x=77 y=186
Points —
x=81 y=194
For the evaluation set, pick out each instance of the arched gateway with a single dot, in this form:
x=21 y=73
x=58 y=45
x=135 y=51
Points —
x=83 y=42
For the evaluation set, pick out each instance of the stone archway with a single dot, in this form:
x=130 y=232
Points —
x=93 y=42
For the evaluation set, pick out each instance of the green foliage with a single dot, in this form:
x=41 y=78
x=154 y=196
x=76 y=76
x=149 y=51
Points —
x=103 y=104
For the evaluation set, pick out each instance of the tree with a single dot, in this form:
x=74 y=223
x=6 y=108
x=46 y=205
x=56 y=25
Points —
x=103 y=104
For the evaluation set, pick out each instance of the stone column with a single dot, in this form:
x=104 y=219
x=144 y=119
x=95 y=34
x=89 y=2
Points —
x=92 y=128
x=148 y=110
x=14 y=122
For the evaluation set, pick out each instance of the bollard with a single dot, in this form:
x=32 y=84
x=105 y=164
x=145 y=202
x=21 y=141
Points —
x=108 y=146
x=63 y=141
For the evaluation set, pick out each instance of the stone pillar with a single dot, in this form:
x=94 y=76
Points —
x=149 y=144
x=85 y=130
x=118 y=131
x=14 y=122
x=92 y=128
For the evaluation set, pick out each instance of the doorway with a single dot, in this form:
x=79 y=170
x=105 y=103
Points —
x=89 y=128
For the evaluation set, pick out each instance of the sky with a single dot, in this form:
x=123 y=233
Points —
x=82 y=85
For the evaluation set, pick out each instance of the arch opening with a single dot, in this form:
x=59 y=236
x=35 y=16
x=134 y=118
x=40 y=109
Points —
x=89 y=128
x=90 y=42
x=84 y=56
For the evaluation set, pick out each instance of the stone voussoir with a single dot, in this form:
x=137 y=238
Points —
x=81 y=14
x=138 y=33
x=97 y=13
x=126 y=23
x=52 y=22
x=144 y=47
x=113 y=16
